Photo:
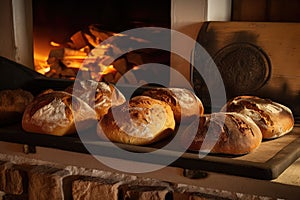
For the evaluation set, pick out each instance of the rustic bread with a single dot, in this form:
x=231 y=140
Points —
x=13 y=104
x=99 y=95
x=55 y=113
x=223 y=133
x=272 y=118
x=184 y=103
x=140 y=121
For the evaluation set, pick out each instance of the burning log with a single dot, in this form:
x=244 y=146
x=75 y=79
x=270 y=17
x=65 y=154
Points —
x=64 y=62
x=84 y=51
x=69 y=57
x=65 y=53
x=98 y=34
x=78 y=41
x=91 y=38
x=121 y=65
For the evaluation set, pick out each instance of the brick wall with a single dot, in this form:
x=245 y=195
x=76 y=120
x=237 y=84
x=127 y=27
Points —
x=34 y=180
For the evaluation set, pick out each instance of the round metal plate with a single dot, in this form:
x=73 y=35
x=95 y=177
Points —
x=244 y=67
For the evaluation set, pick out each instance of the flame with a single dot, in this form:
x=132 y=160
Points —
x=54 y=44
x=40 y=64
x=135 y=68
x=109 y=69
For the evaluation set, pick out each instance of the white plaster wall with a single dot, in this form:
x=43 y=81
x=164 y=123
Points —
x=187 y=17
x=16 y=31
x=6 y=26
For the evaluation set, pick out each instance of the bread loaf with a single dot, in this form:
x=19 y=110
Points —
x=184 y=103
x=272 y=118
x=13 y=104
x=223 y=133
x=99 y=95
x=140 y=121
x=56 y=113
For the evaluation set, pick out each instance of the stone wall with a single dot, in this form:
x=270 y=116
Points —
x=28 y=179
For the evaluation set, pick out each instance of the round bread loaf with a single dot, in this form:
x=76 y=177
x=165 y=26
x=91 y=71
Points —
x=184 y=103
x=223 y=133
x=56 y=112
x=140 y=121
x=99 y=95
x=13 y=104
x=273 y=119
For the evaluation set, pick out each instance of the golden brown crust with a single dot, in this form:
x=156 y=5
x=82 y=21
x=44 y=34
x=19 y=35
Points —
x=184 y=103
x=272 y=118
x=224 y=133
x=55 y=113
x=140 y=121
x=99 y=95
x=13 y=104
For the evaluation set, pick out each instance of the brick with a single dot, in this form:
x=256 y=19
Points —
x=15 y=197
x=205 y=197
x=188 y=192
x=181 y=196
x=14 y=181
x=89 y=188
x=3 y=167
x=45 y=182
x=140 y=192
x=13 y=178
x=195 y=196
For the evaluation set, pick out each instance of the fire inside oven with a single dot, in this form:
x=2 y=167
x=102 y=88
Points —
x=65 y=33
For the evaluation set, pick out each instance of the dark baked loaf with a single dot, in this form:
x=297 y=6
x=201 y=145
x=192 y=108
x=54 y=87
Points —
x=184 y=103
x=99 y=95
x=13 y=104
x=140 y=121
x=55 y=113
x=272 y=118
x=223 y=133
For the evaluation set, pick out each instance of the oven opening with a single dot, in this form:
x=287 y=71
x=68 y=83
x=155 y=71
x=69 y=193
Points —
x=65 y=33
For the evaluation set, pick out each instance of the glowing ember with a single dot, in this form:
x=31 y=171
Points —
x=135 y=67
x=40 y=64
x=54 y=44
x=85 y=52
x=109 y=69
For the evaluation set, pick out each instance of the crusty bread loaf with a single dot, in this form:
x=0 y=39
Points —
x=184 y=103
x=56 y=113
x=223 y=133
x=99 y=95
x=13 y=104
x=272 y=118
x=140 y=121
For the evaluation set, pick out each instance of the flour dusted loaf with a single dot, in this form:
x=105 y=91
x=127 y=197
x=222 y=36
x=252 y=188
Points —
x=184 y=103
x=56 y=113
x=142 y=120
x=223 y=133
x=13 y=104
x=99 y=95
x=272 y=118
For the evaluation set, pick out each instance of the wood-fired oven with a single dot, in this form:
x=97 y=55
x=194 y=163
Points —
x=253 y=58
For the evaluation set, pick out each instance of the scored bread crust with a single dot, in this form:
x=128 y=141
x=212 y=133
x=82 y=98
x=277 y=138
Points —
x=99 y=95
x=223 y=133
x=140 y=121
x=274 y=119
x=184 y=103
x=56 y=113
